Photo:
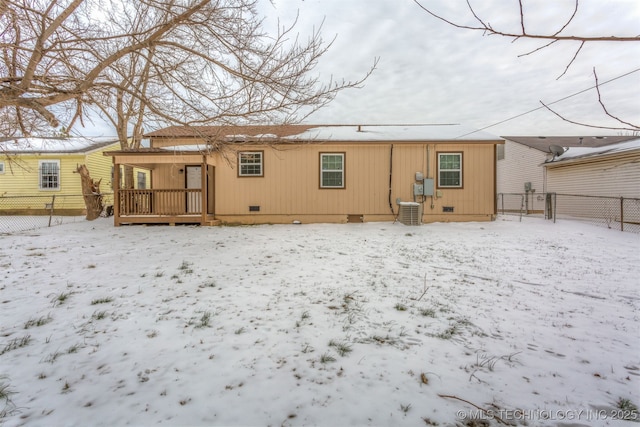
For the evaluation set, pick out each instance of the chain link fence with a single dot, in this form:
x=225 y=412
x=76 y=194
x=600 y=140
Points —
x=21 y=213
x=617 y=213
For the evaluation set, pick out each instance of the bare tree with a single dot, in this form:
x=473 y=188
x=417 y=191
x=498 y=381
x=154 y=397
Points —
x=483 y=25
x=152 y=62
x=193 y=62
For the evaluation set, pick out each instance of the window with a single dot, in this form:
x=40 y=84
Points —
x=449 y=170
x=142 y=181
x=1 y=167
x=49 y=174
x=250 y=163
x=113 y=176
x=500 y=152
x=331 y=170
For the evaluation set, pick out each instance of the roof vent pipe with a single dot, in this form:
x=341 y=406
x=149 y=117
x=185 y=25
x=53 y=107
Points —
x=359 y=128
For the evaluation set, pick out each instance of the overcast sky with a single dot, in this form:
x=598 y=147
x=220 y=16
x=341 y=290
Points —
x=430 y=72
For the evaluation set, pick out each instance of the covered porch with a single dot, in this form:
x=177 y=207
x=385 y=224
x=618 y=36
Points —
x=181 y=188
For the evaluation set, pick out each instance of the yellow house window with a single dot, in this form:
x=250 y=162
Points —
x=142 y=181
x=49 y=174
x=1 y=167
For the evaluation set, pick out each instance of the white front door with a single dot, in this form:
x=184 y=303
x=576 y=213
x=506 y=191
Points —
x=194 y=180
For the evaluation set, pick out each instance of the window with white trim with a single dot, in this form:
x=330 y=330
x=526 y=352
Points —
x=1 y=167
x=49 y=174
x=331 y=170
x=449 y=170
x=250 y=163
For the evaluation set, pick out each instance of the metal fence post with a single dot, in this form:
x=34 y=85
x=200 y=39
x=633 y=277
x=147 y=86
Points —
x=53 y=201
x=621 y=213
x=521 y=206
x=548 y=209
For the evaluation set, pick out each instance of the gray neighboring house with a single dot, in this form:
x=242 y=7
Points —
x=526 y=165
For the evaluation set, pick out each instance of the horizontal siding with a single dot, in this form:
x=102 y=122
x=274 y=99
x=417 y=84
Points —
x=614 y=177
x=520 y=164
x=23 y=179
x=100 y=167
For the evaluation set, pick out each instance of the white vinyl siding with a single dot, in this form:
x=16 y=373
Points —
x=49 y=174
x=613 y=177
x=520 y=164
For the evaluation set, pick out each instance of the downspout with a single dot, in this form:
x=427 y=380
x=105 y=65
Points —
x=391 y=179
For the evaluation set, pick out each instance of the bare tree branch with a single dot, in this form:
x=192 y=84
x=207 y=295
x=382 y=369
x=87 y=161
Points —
x=552 y=38
x=632 y=128
x=488 y=29
x=154 y=62
x=571 y=62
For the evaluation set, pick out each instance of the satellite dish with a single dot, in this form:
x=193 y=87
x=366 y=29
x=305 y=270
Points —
x=556 y=150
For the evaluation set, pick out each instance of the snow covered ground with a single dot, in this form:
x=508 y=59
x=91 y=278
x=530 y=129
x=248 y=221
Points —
x=359 y=324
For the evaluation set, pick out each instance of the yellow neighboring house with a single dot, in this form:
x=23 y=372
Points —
x=37 y=175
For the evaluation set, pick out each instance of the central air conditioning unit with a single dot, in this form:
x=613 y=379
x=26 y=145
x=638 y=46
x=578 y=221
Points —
x=410 y=213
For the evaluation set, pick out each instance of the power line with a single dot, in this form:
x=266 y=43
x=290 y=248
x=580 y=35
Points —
x=551 y=103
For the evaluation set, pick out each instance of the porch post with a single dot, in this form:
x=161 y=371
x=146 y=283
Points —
x=203 y=190
x=116 y=192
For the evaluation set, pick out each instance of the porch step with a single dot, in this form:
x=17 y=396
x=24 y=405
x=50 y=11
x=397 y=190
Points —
x=212 y=222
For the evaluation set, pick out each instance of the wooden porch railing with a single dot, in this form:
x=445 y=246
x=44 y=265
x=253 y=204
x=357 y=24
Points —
x=160 y=202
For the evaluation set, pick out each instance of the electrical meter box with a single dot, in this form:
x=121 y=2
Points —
x=425 y=188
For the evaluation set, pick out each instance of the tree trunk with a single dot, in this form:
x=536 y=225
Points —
x=90 y=193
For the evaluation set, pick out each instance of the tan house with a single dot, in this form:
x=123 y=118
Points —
x=311 y=173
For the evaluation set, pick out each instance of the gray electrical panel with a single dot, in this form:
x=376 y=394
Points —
x=427 y=185
x=425 y=188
